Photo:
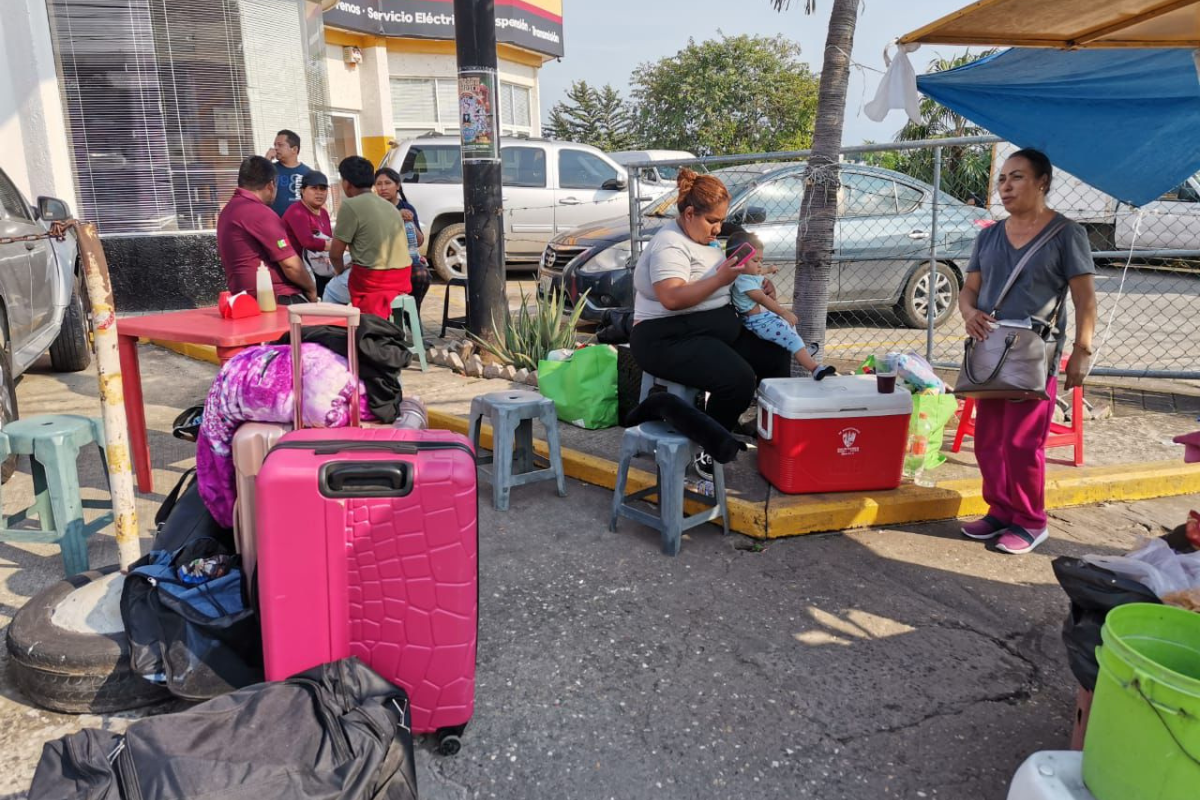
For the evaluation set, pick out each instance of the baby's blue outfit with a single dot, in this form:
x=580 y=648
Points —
x=766 y=324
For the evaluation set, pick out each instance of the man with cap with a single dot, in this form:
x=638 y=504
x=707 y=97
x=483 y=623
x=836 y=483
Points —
x=309 y=229
x=249 y=234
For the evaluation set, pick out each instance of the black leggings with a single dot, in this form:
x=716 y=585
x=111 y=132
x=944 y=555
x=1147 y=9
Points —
x=710 y=351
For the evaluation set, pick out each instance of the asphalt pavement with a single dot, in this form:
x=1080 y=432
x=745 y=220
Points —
x=905 y=663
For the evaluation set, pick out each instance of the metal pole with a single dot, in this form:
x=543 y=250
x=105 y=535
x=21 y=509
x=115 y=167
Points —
x=479 y=122
x=112 y=395
x=635 y=217
x=933 y=237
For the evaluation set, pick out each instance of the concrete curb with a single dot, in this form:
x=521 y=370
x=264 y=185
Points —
x=199 y=352
x=794 y=515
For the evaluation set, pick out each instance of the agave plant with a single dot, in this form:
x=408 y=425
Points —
x=528 y=336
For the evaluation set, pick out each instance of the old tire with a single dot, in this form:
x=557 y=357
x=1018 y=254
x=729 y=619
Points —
x=914 y=302
x=70 y=672
x=448 y=252
x=8 y=394
x=72 y=349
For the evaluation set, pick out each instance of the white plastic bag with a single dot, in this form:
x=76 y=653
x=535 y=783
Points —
x=1154 y=565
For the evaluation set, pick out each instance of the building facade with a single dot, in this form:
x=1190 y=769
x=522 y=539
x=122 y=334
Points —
x=392 y=69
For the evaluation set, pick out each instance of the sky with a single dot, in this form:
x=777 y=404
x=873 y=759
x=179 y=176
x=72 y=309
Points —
x=605 y=40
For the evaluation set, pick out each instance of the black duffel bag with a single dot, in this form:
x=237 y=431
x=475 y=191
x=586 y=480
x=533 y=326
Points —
x=199 y=639
x=1094 y=591
x=335 y=731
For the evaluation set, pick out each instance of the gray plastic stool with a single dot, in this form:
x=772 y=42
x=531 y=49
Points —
x=512 y=415
x=686 y=393
x=672 y=453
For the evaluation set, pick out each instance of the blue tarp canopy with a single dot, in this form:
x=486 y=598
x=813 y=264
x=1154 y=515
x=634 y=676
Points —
x=1127 y=121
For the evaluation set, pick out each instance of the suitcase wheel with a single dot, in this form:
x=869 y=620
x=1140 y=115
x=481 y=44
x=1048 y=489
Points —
x=449 y=740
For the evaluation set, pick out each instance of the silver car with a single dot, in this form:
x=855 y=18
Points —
x=42 y=298
x=881 y=259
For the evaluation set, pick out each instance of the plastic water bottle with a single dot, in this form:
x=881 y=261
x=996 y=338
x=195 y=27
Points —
x=414 y=251
x=918 y=448
x=264 y=289
x=411 y=414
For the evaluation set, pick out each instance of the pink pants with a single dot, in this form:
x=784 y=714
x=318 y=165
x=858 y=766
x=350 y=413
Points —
x=1010 y=439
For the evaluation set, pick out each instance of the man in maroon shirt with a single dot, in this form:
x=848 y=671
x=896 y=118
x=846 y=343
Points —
x=249 y=233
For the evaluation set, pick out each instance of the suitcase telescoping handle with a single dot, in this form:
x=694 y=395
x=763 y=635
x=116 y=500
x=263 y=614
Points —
x=296 y=315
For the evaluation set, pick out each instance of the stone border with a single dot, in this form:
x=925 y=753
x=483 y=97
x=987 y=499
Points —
x=465 y=357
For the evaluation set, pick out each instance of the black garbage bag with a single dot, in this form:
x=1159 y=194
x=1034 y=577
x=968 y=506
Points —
x=615 y=326
x=1094 y=591
x=188 y=622
x=338 y=730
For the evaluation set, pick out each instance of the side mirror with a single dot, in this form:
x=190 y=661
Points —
x=754 y=215
x=51 y=209
x=614 y=185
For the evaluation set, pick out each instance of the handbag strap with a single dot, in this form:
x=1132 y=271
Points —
x=1049 y=233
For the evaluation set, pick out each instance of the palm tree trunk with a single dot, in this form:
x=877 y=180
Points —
x=818 y=211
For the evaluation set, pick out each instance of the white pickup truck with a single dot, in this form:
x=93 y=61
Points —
x=1172 y=222
x=548 y=187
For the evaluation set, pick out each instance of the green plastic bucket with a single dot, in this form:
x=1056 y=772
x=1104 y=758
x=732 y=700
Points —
x=1143 y=736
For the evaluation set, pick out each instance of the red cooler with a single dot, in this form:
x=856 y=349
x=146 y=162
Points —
x=835 y=435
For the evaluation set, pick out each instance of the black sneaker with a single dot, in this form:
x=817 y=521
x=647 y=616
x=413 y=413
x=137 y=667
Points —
x=820 y=373
x=703 y=464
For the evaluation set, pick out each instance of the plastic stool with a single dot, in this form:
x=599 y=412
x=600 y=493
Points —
x=411 y=316
x=53 y=442
x=1060 y=435
x=673 y=454
x=447 y=320
x=1050 y=775
x=512 y=415
x=686 y=393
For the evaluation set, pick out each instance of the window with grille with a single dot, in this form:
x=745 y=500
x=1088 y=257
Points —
x=425 y=104
x=515 y=112
x=156 y=109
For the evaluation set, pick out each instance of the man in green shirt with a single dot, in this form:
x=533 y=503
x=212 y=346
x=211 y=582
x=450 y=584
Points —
x=373 y=230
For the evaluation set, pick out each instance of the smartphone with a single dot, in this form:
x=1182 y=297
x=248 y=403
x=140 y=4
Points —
x=744 y=252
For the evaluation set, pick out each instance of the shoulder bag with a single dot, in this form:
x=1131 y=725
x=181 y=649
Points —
x=1011 y=363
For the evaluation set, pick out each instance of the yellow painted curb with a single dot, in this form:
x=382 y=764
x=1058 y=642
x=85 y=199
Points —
x=794 y=515
x=744 y=516
x=200 y=352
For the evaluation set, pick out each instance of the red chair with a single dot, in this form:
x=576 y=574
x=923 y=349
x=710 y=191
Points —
x=1060 y=435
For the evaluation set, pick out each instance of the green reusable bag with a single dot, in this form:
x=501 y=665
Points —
x=583 y=388
x=940 y=409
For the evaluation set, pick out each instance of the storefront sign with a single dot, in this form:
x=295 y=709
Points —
x=532 y=24
x=478 y=114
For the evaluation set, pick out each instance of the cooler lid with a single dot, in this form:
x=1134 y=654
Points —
x=836 y=396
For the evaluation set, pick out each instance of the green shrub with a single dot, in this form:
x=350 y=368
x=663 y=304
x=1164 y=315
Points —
x=527 y=336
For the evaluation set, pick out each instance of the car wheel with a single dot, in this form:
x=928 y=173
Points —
x=72 y=350
x=8 y=394
x=72 y=672
x=449 y=252
x=914 y=303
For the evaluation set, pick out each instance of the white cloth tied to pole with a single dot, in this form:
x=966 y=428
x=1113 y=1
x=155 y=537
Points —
x=898 y=88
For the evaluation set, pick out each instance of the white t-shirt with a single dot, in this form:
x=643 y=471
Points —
x=673 y=254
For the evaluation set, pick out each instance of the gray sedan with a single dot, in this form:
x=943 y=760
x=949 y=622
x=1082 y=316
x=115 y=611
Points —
x=885 y=223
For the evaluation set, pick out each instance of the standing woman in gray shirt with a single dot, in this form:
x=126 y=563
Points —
x=684 y=329
x=1010 y=436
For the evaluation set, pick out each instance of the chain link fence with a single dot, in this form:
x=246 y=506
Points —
x=907 y=218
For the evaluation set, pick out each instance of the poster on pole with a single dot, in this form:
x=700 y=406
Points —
x=479 y=114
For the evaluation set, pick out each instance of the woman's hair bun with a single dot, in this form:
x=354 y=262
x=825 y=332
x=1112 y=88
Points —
x=686 y=180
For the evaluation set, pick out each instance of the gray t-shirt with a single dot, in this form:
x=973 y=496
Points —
x=1042 y=283
x=673 y=254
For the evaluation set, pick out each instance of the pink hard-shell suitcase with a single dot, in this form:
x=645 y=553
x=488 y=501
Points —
x=368 y=546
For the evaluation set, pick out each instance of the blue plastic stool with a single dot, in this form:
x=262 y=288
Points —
x=53 y=442
x=672 y=452
x=512 y=415
x=410 y=315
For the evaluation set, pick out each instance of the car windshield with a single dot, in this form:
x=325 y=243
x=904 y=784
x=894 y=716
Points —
x=735 y=179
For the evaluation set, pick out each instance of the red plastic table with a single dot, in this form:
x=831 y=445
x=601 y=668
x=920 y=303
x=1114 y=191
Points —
x=203 y=326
